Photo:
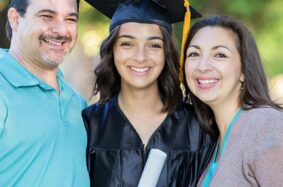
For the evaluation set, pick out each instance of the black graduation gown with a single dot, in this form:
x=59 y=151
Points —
x=116 y=154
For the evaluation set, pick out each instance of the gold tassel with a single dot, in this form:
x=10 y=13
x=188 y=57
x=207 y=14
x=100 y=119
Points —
x=186 y=29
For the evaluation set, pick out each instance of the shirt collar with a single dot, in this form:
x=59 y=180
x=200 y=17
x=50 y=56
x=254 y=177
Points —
x=17 y=74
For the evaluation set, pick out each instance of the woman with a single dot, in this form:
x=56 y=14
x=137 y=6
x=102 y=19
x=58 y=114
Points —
x=140 y=105
x=227 y=85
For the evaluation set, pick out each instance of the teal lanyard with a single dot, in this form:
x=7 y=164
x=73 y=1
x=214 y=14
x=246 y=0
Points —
x=213 y=165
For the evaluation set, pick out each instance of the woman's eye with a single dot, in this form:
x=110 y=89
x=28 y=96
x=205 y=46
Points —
x=220 y=55
x=192 y=54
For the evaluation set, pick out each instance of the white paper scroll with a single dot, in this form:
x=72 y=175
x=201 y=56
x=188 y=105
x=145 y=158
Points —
x=152 y=168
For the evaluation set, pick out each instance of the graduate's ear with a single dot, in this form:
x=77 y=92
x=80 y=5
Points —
x=13 y=18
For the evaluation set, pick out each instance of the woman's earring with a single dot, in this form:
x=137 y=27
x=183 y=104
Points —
x=189 y=100
x=242 y=85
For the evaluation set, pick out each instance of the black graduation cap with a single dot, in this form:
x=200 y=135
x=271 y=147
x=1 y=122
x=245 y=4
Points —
x=162 y=12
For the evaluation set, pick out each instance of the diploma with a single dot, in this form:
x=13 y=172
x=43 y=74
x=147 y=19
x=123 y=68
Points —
x=152 y=168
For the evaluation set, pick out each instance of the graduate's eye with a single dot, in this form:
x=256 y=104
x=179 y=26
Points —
x=126 y=44
x=155 y=46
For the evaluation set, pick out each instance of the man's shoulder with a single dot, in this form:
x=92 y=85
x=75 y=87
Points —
x=70 y=88
x=3 y=57
x=3 y=67
x=3 y=52
x=5 y=85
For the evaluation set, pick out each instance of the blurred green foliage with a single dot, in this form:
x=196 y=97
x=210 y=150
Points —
x=263 y=18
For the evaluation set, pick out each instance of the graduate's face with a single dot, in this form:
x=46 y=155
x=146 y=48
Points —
x=139 y=54
x=47 y=32
x=213 y=66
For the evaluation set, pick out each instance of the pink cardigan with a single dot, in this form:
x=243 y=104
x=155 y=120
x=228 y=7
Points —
x=254 y=151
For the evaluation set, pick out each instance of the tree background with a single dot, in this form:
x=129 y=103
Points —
x=263 y=18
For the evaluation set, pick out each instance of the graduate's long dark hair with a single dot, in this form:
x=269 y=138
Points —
x=108 y=80
x=254 y=91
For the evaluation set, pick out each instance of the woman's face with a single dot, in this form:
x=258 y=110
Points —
x=139 y=55
x=213 y=66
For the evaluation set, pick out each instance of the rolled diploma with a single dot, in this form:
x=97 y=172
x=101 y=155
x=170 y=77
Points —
x=152 y=168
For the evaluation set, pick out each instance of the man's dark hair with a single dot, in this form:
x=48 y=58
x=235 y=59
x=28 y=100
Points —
x=21 y=7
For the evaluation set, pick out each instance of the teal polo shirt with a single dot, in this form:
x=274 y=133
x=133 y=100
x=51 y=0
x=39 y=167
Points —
x=42 y=136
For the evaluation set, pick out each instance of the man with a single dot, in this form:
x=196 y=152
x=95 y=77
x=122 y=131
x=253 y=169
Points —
x=42 y=137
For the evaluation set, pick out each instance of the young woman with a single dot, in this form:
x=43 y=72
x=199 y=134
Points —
x=227 y=85
x=140 y=105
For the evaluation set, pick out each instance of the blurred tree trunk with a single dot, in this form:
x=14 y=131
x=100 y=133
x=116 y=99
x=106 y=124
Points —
x=4 y=43
x=211 y=7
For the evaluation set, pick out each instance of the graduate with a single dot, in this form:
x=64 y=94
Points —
x=140 y=101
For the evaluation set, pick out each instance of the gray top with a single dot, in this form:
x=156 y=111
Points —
x=254 y=151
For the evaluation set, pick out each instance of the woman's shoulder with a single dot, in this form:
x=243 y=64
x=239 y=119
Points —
x=265 y=122
x=265 y=127
x=264 y=114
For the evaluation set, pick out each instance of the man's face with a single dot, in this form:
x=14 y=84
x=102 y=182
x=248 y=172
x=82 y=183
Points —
x=47 y=32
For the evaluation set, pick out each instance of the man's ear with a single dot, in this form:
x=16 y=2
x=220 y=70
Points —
x=13 y=18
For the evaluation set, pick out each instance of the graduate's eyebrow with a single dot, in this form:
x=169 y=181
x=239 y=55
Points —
x=132 y=37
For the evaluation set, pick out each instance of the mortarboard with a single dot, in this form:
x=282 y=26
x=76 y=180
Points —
x=161 y=12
